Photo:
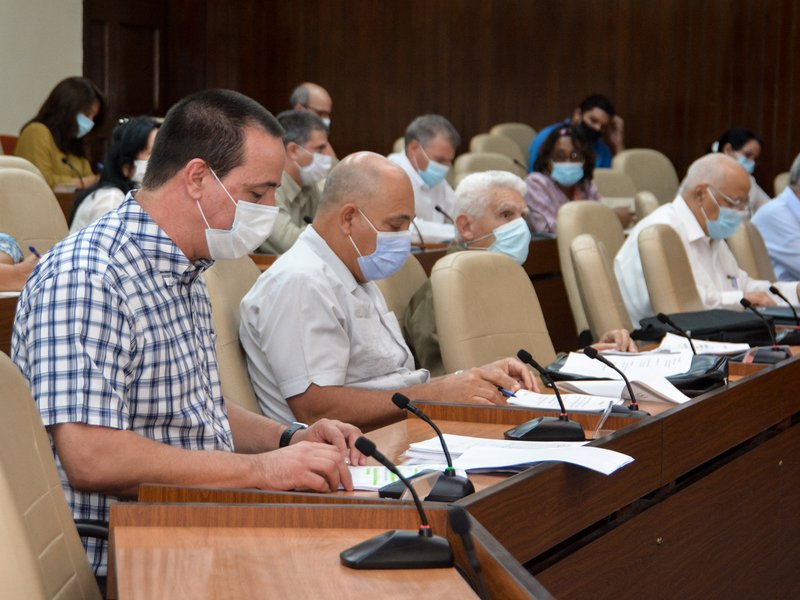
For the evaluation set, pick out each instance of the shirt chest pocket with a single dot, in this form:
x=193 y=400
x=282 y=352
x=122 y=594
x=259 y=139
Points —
x=376 y=343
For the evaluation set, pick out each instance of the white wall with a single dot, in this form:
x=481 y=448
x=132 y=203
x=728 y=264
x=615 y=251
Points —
x=40 y=44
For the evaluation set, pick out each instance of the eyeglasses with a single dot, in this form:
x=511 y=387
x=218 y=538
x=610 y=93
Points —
x=741 y=205
x=563 y=157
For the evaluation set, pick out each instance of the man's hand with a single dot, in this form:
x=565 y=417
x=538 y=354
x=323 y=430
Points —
x=760 y=298
x=616 y=339
x=616 y=134
x=480 y=385
x=303 y=466
x=341 y=435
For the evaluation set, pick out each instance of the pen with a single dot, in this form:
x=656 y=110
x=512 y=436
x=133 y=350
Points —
x=506 y=393
x=34 y=251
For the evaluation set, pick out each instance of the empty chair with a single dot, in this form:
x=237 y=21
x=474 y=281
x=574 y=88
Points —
x=521 y=134
x=228 y=281
x=398 y=289
x=649 y=170
x=573 y=219
x=751 y=252
x=594 y=276
x=488 y=142
x=486 y=309
x=667 y=271
x=41 y=555
x=475 y=162
x=780 y=183
x=17 y=162
x=612 y=183
x=644 y=203
x=29 y=211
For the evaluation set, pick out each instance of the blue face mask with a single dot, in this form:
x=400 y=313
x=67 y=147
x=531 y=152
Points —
x=85 y=124
x=512 y=239
x=434 y=173
x=727 y=221
x=567 y=173
x=748 y=164
x=391 y=252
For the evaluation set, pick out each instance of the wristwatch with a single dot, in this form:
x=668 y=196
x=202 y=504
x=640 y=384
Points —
x=287 y=434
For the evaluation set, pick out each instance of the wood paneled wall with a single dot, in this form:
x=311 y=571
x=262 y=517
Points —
x=679 y=71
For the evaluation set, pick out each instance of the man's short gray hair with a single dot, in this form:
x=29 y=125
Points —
x=300 y=95
x=711 y=169
x=794 y=173
x=425 y=128
x=475 y=191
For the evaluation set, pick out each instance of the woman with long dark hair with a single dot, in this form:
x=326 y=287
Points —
x=54 y=139
x=123 y=170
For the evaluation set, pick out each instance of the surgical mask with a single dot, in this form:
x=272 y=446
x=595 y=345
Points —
x=85 y=124
x=326 y=121
x=567 y=173
x=512 y=239
x=748 y=164
x=391 y=252
x=316 y=170
x=727 y=221
x=139 y=169
x=252 y=224
x=434 y=173
x=589 y=133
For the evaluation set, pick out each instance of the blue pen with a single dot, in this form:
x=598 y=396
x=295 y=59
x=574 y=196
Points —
x=34 y=251
x=507 y=393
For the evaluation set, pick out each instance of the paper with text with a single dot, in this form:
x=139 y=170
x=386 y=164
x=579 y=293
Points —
x=640 y=365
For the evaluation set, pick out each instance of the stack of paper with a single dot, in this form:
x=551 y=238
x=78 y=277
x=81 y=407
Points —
x=676 y=343
x=653 y=390
x=375 y=477
x=579 y=402
x=641 y=366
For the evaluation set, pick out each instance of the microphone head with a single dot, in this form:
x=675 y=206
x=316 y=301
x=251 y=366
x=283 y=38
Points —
x=524 y=356
x=459 y=519
x=590 y=352
x=774 y=290
x=663 y=318
x=400 y=401
x=745 y=302
x=365 y=445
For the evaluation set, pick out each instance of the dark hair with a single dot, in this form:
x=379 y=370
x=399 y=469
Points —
x=580 y=143
x=208 y=125
x=425 y=128
x=58 y=113
x=597 y=101
x=736 y=138
x=299 y=125
x=127 y=141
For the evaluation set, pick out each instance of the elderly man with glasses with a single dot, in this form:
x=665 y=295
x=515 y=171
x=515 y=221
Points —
x=710 y=206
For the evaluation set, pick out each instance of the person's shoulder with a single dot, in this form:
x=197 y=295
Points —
x=35 y=129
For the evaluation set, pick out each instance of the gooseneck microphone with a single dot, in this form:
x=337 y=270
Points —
x=546 y=428
x=594 y=354
x=398 y=549
x=442 y=212
x=670 y=323
x=777 y=292
x=787 y=336
x=449 y=487
x=419 y=233
x=71 y=166
x=749 y=306
x=459 y=521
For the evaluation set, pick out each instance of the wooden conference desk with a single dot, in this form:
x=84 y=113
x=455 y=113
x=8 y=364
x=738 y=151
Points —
x=709 y=508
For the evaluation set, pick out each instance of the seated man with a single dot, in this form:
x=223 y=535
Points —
x=490 y=215
x=594 y=117
x=779 y=224
x=114 y=334
x=319 y=338
x=710 y=206
x=315 y=99
x=307 y=164
x=431 y=142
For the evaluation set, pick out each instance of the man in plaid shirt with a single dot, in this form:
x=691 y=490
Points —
x=114 y=333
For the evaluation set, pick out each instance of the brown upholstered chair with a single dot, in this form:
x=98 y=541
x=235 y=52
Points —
x=489 y=142
x=649 y=170
x=398 y=289
x=521 y=134
x=751 y=252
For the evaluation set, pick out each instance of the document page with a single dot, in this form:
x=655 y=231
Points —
x=572 y=402
x=640 y=365
x=676 y=343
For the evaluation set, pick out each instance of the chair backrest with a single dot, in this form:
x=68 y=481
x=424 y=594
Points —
x=399 y=144
x=781 y=182
x=667 y=271
x=600 y=295
x=41 y=555
x=573 y=219
x=475 y=162
x=751 y=253
x=644 y=203
x=613 y=183
x=29 y=211
x=486 y=309
x=228 y=281
x=489 y=142
x=398 y=289
x=649 y=170
x=17 y=162
x=521 y=134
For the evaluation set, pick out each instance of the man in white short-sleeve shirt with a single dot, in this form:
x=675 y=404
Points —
x=319 y=338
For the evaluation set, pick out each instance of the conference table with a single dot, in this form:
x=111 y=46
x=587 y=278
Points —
x=708 y=508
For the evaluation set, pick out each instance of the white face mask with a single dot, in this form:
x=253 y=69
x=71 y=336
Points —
x=139 y=168
x=326 y=121
x=252 y=225
x=316 y=170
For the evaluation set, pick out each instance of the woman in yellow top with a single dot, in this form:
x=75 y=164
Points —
x=54 y=139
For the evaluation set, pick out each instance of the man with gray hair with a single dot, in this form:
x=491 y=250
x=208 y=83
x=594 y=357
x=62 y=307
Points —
x=310 y=97
x=489 y=215
x=779 y=224
x=710 y=206
x=430 y=147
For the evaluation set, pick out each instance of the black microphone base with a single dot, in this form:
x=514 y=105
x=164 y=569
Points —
x=399 y=549
x=449 y=488
x=790 y=337
x=547 y=429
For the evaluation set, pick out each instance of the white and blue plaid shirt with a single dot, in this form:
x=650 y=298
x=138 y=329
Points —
x=114 y=329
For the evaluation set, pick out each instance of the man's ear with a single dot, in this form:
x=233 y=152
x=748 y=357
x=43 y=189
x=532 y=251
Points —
x=195 y=176
x=347 y=213
x=293 y=151
x=464 y=226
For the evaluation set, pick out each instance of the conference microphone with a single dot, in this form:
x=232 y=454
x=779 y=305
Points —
x=777 y=292
x=594 y=354
x=398 y=549
x=449 y=487
x=71 y=166
x=419 y=233
x=787 y=336
x=749 y=306
x=459 y=522
x=442 y=212
x=670 y=323
x=546 y=429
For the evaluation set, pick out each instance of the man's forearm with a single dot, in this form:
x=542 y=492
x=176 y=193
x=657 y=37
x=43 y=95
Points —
x=366 y=409
x=253 y=433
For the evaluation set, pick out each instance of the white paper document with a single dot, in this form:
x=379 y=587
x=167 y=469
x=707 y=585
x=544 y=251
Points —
x=374 y=477
x=677 y=343
x=642 y=365
x=654 y=389
x=580 y=402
